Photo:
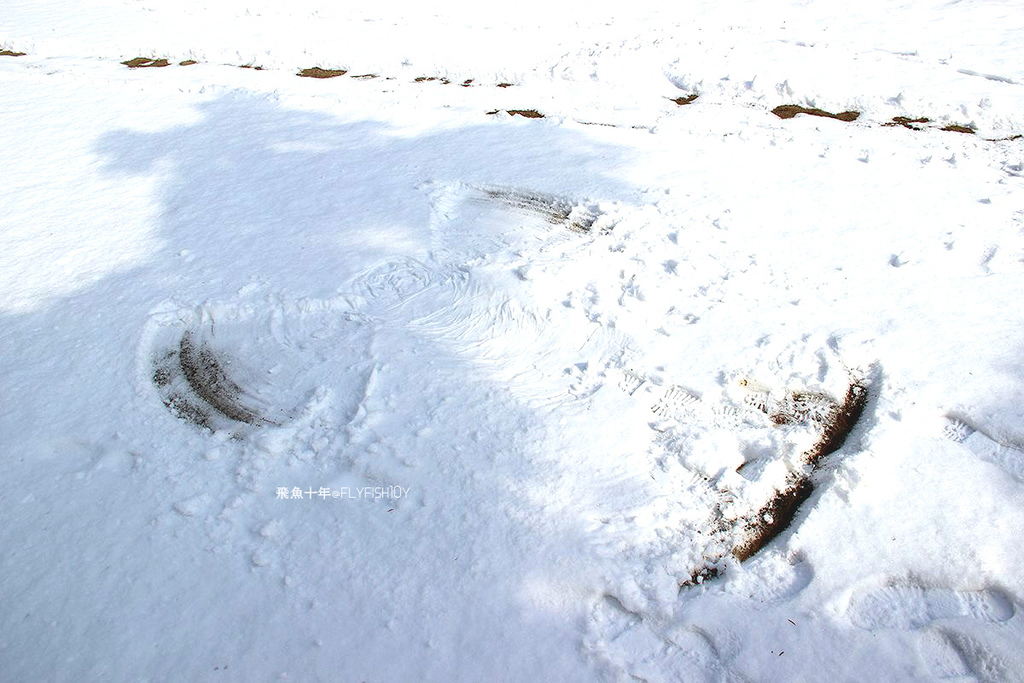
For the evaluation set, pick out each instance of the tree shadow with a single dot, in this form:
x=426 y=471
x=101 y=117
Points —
x=253 y=184
x=257 y=203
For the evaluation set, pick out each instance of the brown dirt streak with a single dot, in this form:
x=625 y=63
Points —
x=688 y=99
x=317 y=72
x=788 y=111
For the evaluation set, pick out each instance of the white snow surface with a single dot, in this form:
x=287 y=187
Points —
x=352 y=379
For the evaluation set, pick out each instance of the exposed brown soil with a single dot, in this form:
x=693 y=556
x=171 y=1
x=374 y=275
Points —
x=788 y=111
x=250 y=66
x=505 y=85
x=528 y=113
x=317 y=72
x=836 y=421
x=750 y=534
x=366 y=76
x=773 y=518
x=688 y=99
x=907 y=122
x=839 y=424
x=422 y=79
x=957 y=128
x=145 y=62
x=188 y=62
x=467 y=83
x=11 y=53
x=921 y=124
x=701 y=575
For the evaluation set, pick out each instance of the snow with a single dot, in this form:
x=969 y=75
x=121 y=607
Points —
x=535 y=380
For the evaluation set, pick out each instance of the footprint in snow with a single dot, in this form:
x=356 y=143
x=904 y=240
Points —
x=938 y=619
x=1008 y=456
x=626 y=646
x=950 y=655
x=675 y=403
x=911 y=607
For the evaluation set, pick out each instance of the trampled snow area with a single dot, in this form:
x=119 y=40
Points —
x=368 y=379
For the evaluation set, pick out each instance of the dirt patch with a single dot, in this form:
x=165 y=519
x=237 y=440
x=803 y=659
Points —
x=957 y=128
x=687 y=99
x=922 y=124
x=424 y=79
x=835 y=421
x=145 y=62
x=839 y=423
x=11 y=53
x=505 y=85
x=528 y=113
x=188 y=62
x=467 y=83
x=749 y=534
x=907 y=122
x=317 y=72
x=788 y=111
x=774 y=517
x=250 y=66
x=366 y=76
x=701 y=575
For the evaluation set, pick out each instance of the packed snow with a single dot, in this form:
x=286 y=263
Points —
x=530 y=345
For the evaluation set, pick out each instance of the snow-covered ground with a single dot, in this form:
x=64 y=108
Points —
x=367 y=379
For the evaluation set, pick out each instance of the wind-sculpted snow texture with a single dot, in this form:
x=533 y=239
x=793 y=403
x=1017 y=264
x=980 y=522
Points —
x=511 y=342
